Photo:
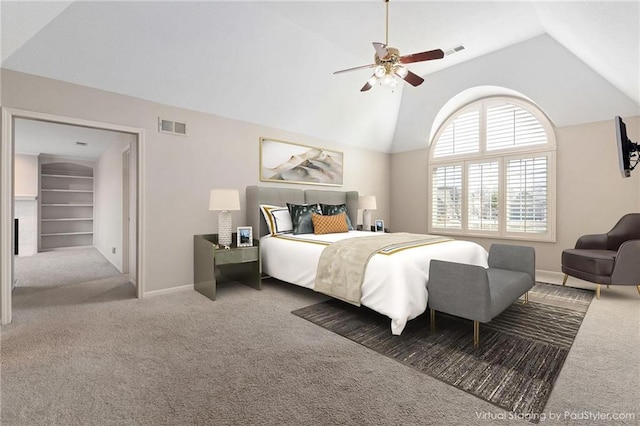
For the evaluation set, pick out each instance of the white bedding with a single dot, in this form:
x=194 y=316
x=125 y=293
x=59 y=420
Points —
x=394 y=285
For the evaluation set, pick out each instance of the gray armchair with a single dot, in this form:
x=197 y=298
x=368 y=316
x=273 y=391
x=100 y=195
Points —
x=480 y=294
x=612 y=258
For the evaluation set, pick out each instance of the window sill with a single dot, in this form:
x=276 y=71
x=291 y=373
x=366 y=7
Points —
x=543 y=238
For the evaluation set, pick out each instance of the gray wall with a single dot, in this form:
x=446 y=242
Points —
x=564 y=87
x=179 y=171
x=591 y=194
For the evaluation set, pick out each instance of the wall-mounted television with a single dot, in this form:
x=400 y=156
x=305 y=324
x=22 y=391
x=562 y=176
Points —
x=628 y=152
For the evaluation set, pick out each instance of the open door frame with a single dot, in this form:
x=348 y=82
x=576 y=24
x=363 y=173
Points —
x=129 y=204
x=6 y=196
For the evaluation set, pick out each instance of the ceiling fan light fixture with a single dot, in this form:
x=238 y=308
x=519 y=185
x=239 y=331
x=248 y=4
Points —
x=388 y=80
x=389 y=63
x=401 y=71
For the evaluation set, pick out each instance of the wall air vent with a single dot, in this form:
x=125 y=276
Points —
x=172 y=127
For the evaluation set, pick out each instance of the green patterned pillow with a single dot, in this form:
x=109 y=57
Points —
x=331 y=210
x=301 y=217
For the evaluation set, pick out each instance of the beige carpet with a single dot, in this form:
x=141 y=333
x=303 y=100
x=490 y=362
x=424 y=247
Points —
x=520 y=355
x=63 y=267
x=91 y=354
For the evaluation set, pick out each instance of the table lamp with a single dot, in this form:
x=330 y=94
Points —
x=224 y=200
x=367 y=203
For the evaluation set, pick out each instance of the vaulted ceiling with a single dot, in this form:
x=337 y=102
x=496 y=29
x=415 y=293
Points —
x=271 y=63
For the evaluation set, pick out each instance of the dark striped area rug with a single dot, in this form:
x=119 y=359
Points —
x=521 y=351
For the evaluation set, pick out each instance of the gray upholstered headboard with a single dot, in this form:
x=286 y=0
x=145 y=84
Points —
x=257 y=195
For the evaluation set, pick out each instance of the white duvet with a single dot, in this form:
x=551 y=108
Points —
x=394 y=285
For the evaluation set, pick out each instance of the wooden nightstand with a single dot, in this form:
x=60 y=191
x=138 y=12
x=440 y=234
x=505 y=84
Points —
x=212 y=265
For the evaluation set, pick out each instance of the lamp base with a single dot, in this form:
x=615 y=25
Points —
x=366 y=220
x=224 y=228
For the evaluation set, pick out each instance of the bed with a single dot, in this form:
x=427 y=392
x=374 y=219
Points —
x=394 y=285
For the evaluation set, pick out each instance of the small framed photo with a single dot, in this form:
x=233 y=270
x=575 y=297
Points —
x=379 y=225
x=245 y=236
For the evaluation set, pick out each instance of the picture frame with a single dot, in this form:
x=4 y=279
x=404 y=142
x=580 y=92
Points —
x=288 y=162
x=379 y=225
x=244 y=236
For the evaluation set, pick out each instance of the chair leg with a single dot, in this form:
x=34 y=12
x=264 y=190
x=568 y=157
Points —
x=476 y=334
x=598 y=291
x=638 y=287
x=526 y=298
x=432 y=322
x=564 y=280
x=607 y=285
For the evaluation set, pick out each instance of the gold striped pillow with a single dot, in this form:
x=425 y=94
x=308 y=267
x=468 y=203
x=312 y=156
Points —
x=329 y=224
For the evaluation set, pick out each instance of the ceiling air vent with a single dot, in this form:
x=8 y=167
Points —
x=173 y=127
x=453 y=50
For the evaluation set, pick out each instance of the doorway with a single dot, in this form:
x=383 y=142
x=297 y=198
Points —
x=133 y=215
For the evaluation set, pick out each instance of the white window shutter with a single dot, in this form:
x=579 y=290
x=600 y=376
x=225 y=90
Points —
x=447 y=197
x=509 y=126
x=483 y=180
x=493 y=172
x=526 y=195
x=462 y=136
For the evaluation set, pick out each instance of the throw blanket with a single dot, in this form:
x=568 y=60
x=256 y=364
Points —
x=342 y=265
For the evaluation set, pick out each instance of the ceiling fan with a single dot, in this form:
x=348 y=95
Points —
x=389 y=63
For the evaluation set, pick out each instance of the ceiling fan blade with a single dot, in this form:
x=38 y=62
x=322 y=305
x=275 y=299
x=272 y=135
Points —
x=411 y=78
x=422 y=56
x=355 y=68
x=381 y=49
x=368 y=84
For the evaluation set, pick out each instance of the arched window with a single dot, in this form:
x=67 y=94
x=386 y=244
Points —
x=492 y=169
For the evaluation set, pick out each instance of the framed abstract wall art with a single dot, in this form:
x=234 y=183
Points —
x=289 y=162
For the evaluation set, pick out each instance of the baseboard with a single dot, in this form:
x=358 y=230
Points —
x=550 y=277
x=168 y=290
x=119 y=269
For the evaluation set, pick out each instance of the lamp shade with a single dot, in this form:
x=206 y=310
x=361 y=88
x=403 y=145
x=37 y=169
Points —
x=367 y=202
x=224 y=199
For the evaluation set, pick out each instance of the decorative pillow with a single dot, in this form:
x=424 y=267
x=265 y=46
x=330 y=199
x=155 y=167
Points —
x=301 y=217
x=329 y=224
x=331 y=209
x=278 y=219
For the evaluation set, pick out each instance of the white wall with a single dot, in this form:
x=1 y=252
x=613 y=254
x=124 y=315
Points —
x=591 y=194
x=25 y=191
x=540 y=68
x=25 y=172
x=180 y=171
x=108 y=200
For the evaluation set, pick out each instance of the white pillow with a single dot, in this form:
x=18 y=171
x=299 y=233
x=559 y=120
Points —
x=278 y=219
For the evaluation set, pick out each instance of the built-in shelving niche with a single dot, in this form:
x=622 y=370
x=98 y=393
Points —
x=66 y=203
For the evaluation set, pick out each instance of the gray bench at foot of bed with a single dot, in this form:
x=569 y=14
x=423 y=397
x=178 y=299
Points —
x=480 y=294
